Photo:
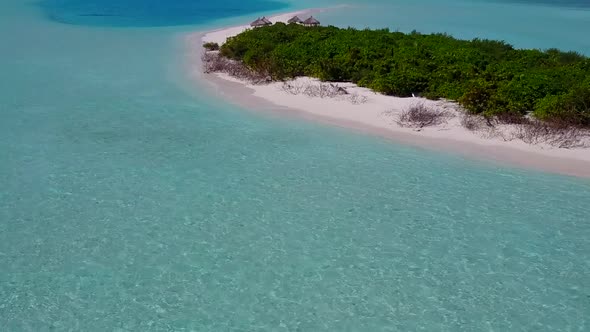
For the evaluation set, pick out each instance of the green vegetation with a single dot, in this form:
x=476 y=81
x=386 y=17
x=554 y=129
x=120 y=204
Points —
x=209 y=46
x=487 y=77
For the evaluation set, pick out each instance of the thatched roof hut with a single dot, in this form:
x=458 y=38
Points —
x=295 y=19
x=260 y=22
x=311 y=22
x=266 y=20
x=257 y=23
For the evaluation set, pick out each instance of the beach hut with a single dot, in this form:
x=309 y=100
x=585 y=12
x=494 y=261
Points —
x=295 y=19
x=256 y=23
x=266 y=20
x=311 y=22
x=260 y=22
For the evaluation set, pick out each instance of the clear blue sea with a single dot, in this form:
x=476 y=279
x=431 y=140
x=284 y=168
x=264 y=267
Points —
x=131 y=200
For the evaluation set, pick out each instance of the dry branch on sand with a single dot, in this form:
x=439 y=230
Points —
x=322 y=90
x=357 y=99
x=562 y=136
x=420 y=116
x=472 y=122
x=213 y=62
x=528 y=130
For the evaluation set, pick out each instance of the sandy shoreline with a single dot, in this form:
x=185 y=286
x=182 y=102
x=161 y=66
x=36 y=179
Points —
x=376 y=114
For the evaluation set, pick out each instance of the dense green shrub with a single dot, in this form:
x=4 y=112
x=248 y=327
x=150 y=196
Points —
x=485 y=76
x=571 y=108
x=210 y=46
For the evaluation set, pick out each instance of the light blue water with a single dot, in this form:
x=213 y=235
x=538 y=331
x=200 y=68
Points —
x=151 y=12
x=128 y=204
x=523 y=23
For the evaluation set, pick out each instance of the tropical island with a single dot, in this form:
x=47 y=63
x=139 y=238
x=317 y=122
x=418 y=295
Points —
x=485 y=76
x=420 y=88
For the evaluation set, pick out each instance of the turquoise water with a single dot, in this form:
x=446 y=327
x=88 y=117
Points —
x=142 y=13
x=129 y=204
x=523 y=23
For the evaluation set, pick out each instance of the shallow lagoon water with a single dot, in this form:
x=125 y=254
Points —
x=145 y=13
x=525 y=24
x=127 y=203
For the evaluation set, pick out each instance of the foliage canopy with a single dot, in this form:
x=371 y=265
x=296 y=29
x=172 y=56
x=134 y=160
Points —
x=210 y=46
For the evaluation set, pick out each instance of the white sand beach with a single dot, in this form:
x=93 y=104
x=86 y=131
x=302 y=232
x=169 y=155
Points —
x=362 y=109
